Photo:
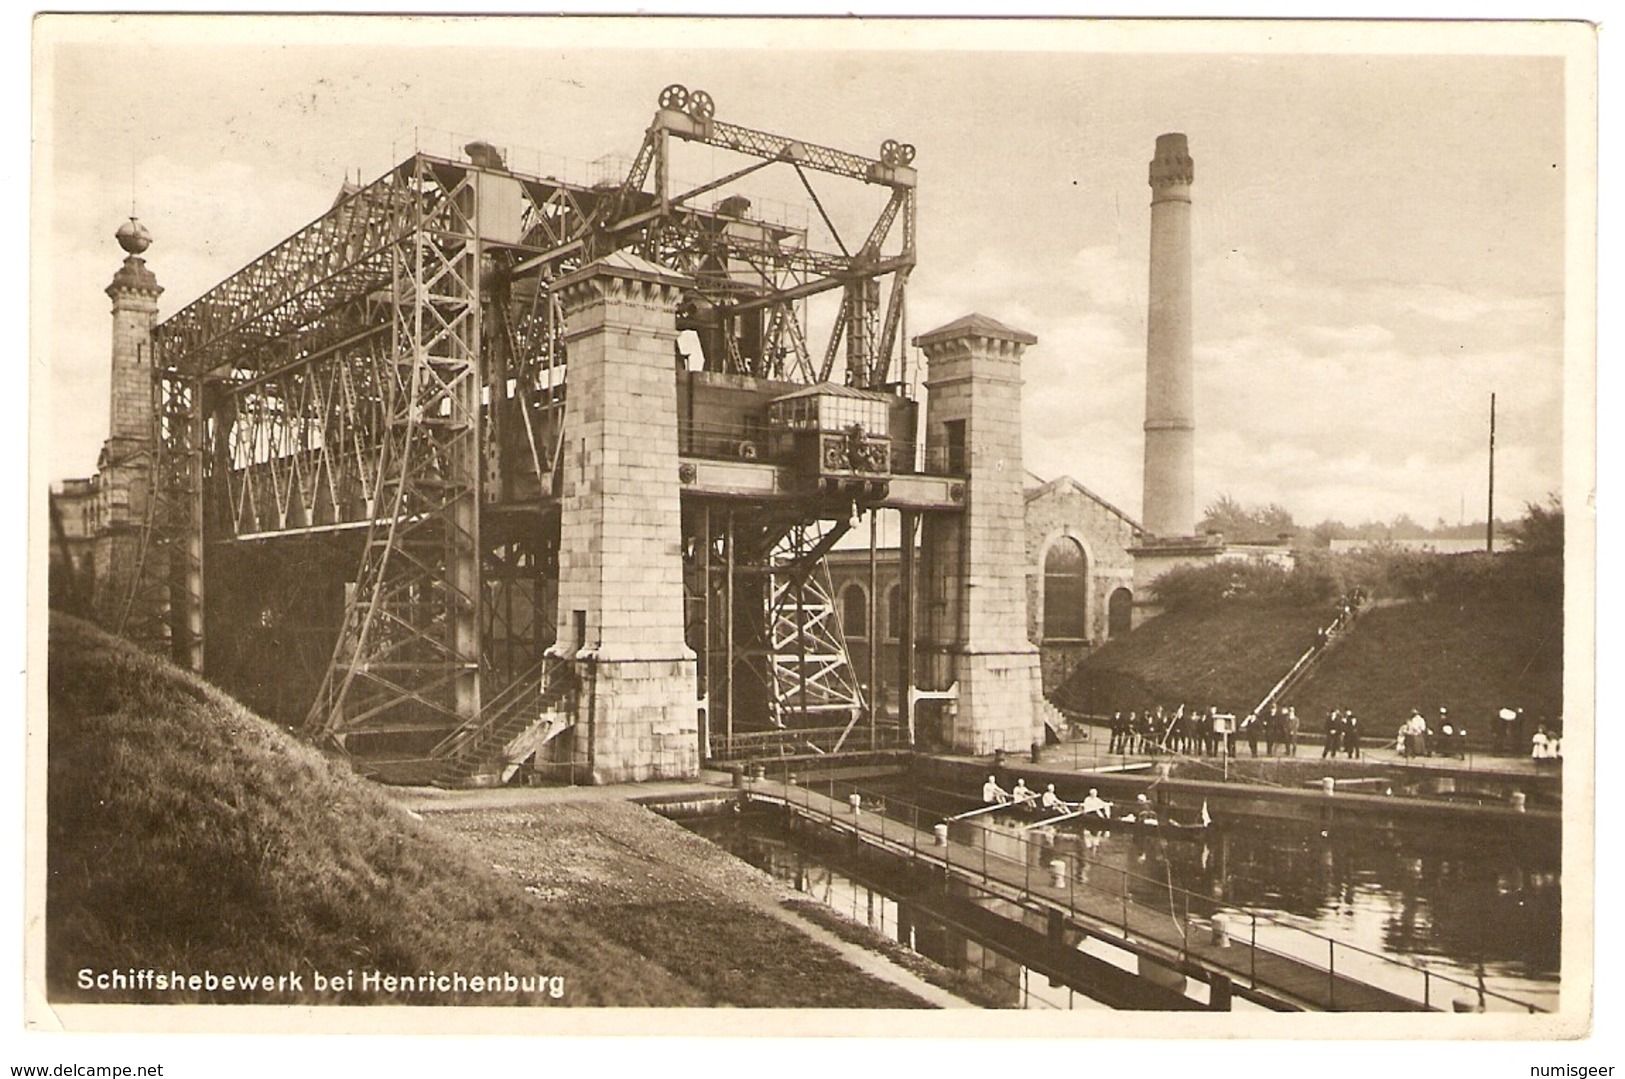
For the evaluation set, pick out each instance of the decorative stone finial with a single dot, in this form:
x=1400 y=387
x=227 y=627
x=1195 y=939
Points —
x=133 y=237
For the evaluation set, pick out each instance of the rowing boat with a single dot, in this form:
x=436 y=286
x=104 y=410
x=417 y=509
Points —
x=1069 y=813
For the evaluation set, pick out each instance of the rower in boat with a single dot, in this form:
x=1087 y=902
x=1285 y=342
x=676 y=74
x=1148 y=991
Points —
x=1143 y=813
x=993 y=794
x=1096 y=806
x=1052 y=801
x=1022 y=795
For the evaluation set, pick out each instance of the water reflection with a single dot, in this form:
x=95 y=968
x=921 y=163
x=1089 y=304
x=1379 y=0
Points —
x=1455 y=903
x=1460 y=904
x=1002 y=981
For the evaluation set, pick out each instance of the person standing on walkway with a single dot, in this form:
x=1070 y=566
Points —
x=1351 y=735
x=1415 y=734
x=1506 y=731
x=1291 y=728
x=1272 y=730
x=1249 y=726
x=1334 y=732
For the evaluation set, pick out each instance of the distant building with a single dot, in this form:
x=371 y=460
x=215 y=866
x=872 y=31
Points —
x=1427 y=544
x=76 y=510
x=1080 y=583
x=1274 y=552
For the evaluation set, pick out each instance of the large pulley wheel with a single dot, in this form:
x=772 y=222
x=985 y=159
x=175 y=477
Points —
x=674 y=96
x=888 y=151
x=700 y=105
x=905 y=154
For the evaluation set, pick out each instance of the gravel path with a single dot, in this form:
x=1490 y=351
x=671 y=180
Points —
x=650 y=884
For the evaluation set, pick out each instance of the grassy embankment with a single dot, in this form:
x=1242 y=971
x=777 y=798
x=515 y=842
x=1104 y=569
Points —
x=1473 y=658
x=1473 y=655
x=1228 y=656
x=186 y=834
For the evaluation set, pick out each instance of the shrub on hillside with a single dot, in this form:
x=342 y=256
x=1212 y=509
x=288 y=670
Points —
x=1252 y=583
x=1382 y=571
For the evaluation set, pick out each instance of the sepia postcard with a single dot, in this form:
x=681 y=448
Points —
x=583 y=525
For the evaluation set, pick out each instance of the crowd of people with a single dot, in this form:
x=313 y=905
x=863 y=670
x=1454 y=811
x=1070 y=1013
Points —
x=1196 y=732
x=1419 y=738
x=1192 y=731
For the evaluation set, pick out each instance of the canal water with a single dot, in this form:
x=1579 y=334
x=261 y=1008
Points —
x=757 y=838
x=1470 y=908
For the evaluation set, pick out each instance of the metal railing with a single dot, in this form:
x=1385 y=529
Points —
x=805 y=741
x=1184 y=908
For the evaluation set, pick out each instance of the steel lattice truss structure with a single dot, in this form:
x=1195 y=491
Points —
x=391 y=378
x=807 y=657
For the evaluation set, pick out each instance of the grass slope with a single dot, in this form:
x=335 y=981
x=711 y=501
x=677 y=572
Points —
x=1229 y=657
x=186 y=834
x=1473 y=658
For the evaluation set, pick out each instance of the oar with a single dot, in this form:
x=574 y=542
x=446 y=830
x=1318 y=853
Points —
x=1054 y=820
x=979 y=810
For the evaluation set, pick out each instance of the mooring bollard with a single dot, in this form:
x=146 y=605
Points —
x=739 y=777
x=1328 y=785
x=856 y=802
x=1036 y=747
x=1221 y=931
x=1518 y=801
x=940 y=833
x=791 y=779
x=1057 y=873
x=761 y=771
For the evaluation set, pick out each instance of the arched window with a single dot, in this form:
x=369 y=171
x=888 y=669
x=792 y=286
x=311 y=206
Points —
x=854 y=611
x=1066 y=579
x=1120 y=612
x=894 y=612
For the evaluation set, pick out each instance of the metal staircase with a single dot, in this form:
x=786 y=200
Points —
x=478 y=753
x=1328 y=635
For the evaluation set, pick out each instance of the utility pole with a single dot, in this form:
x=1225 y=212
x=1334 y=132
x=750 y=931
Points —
x=1489 y=524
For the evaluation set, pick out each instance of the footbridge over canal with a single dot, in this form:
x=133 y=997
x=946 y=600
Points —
x=1171 y=934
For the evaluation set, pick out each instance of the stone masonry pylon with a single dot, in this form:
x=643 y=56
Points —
x=975 y=606
x=126 y=464
x=620 y=606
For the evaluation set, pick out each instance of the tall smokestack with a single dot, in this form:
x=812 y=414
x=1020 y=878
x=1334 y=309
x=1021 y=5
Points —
x=1170 y=414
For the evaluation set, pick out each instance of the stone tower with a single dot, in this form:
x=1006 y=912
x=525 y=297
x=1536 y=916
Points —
x=126 y=462
x=620 y=607
x=975 y=606
x=1170 y=410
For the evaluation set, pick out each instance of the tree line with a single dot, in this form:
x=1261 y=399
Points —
x=1540 y=526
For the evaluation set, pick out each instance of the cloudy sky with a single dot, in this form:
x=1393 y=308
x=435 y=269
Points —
x=1378 y=237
